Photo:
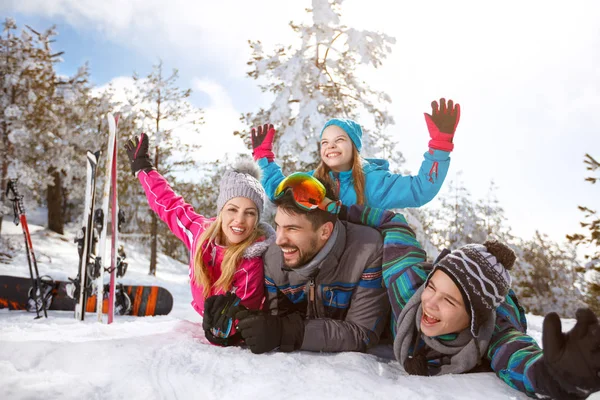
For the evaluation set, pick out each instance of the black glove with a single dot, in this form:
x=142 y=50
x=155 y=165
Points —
x=137 y=151
x=215 y=311
x=263 y=332
x=217 y=322
x=573 y=359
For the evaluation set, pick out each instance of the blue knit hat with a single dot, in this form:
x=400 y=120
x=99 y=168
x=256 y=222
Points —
x=353 y=130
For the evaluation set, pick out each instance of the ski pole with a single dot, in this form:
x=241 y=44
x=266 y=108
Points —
x=19 y=210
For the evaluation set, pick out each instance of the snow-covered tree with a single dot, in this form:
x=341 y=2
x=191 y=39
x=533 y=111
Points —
x=316 y=80
x=162 y=110
x=592 y=284
x=592 y=240
x=25 y=70
x=455 y=220
x=491 y=218
x=546 y=277
x=45 y=119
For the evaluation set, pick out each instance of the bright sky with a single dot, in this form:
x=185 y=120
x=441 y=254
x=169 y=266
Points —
x=526 y=73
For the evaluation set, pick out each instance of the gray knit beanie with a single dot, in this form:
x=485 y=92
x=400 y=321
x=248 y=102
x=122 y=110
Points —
x=481 y=274
x=242 y=181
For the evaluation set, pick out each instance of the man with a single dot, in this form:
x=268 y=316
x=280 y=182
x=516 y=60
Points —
x=323 y=278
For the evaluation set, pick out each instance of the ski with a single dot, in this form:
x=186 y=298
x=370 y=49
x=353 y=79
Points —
x=114 y=225
x=38 y=295
x=110 y=153
x=86 y=243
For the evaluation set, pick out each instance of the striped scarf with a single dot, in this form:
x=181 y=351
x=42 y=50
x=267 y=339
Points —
x=463 y=353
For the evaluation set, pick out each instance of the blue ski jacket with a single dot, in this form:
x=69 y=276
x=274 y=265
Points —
x=383 y=189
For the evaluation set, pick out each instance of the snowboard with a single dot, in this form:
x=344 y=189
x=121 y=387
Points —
x=145 y=300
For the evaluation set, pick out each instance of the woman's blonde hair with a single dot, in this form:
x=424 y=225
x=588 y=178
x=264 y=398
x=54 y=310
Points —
x=358 y=176
x=231 y=259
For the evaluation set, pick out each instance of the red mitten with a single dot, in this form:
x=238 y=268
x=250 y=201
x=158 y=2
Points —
x=442 y=123
x=262 y=142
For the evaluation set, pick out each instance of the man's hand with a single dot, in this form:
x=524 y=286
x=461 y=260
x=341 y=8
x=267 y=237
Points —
x=261 y=332
x=264 y=332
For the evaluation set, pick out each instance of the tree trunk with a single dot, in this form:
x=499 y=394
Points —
x=154 y=238
x=154 y=226
x=54 y=198
x=4 y=149
x=2 y=194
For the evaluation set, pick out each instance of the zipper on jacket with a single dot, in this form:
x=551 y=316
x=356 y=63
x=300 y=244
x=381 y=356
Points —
x=311 y=311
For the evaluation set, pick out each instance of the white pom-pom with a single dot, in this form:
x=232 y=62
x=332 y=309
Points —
x=247 y=166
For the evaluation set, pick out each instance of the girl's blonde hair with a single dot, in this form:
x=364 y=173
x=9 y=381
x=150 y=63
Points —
x=358 y=176
x=231 y=259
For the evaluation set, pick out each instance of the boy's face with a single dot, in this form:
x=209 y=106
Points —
x=444 y=310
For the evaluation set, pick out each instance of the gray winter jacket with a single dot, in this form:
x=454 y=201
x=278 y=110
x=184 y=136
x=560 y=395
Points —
x=348 y=308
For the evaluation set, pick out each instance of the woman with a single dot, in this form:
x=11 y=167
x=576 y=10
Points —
x=225 y=250
x=369 y=181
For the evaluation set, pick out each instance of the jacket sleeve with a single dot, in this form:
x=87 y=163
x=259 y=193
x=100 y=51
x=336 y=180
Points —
x=404 y=261
x=516 y=357
x=401 y=191
x=271 y=176
x=249 y=283
x=364 y=322
x=179 y=216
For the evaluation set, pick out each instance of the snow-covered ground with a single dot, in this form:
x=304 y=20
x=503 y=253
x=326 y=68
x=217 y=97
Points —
x=168 y=357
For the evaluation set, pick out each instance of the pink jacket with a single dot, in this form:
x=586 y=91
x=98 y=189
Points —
x=187 y=225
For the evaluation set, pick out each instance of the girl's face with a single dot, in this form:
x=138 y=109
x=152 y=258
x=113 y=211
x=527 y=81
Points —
x=336 y=149
x=444 y=310
x=239 y=217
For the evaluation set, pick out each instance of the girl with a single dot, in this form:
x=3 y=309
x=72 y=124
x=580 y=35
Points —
x=368 y=181
x=226 y=250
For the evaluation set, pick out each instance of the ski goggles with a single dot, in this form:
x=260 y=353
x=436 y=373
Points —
x=307 y=192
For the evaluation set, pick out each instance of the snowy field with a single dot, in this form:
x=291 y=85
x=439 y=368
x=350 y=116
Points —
x=168 y=357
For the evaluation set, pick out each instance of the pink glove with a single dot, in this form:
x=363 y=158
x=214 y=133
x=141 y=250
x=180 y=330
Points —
x=442 y=123
x=262 y=142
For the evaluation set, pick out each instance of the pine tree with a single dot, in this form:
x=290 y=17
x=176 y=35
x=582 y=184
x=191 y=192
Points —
x=317 y=80
x=455 y=222
x=592 y=240
x=491 y=218
x=25 y=71
x=161 y=108
x=44 y=120
x=546 y=277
